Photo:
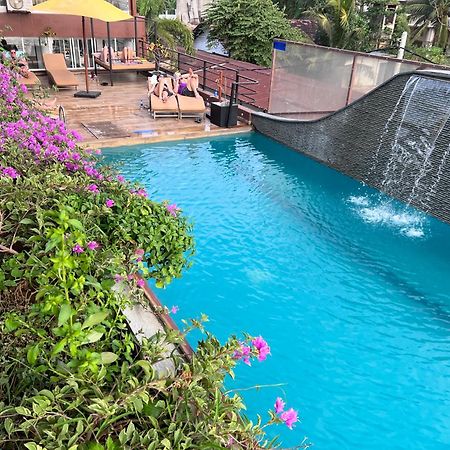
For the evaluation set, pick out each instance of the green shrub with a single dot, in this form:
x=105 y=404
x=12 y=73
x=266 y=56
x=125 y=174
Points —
x=72 y=374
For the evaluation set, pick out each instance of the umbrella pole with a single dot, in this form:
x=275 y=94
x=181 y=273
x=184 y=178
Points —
x=86 y=93
x=83 y=22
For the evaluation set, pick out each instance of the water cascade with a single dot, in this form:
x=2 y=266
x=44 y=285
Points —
x=413 y=163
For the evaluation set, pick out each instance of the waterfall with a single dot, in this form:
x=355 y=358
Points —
x=408 y=142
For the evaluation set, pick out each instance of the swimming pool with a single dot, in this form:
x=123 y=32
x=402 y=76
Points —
x=350 y=289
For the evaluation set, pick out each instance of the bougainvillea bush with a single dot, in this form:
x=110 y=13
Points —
x=73 y=238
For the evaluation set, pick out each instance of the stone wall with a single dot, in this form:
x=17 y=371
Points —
x=358 y=141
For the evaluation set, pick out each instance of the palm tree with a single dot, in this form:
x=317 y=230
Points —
x=169 y=33
x=430 y=12
x=338 y=20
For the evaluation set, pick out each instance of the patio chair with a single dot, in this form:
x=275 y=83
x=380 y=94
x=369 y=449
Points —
x=191 y=106
x=159 y=108
x=57 y=71
x=31 y=81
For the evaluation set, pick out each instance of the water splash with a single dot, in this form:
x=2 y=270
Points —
x=389 y=213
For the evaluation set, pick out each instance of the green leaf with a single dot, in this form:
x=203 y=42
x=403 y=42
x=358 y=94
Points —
x=23 y=411
x=32 y=354
x=48 y=394
x=9 y=426
x=64 y=314
x=11 y=324
x=27 y=221
x=75 y=224
x=130 y=430
x=95 y=319
x=108 y=357
x=32 y=446
x=59 y=347
x=51 y=244
x=93 y=336
x=94 y=446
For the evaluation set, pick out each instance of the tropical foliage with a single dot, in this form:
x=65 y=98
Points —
x=168 y=33
x=358 y=24
x=342 y=24
x=73 y=239
x=247 y=28
x=434 y=13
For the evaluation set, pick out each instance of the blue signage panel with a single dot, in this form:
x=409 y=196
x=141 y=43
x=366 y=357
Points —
x=277 y=45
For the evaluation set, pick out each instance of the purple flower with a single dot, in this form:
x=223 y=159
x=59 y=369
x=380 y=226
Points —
x=174 y=309
x=120 y=179
x=139 y=253
x=263 y=349
x=93 y=188
x=142 y=193
x=92 y=245
x=118 y=278
x=10 y=172
x=289 y=417
x=279 y=405
x=76 y=135
x=77 y=248
x=109 y=203
x=172 y=209
x=243 y=353
x=140 y=283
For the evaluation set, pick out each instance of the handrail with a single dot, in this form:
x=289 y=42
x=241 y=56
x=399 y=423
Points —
x=240 y=92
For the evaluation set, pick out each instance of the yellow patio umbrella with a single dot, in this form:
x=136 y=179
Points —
x=95 y=9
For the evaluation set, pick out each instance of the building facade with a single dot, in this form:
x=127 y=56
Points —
x=38 y=33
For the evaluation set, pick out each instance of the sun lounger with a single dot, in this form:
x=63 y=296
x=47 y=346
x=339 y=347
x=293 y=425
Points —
x=191 y=106
x=56 y=68
x=159 y=108
x=116 y=65
x=31 y=81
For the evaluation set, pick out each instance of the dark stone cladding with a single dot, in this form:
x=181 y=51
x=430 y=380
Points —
x=348 y=140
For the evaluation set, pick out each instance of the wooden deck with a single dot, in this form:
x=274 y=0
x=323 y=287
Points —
x=116 y=118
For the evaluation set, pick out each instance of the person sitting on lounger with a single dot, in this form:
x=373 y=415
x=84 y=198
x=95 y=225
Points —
x=17 y=61
x=187 y=84
x=158 y=85
x=127 y=55
x=104 y=54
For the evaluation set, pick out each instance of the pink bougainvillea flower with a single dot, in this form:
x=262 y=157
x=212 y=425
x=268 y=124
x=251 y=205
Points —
x=109 y=203
x=139 y=254
x=118 y=278
x=289 y=417
x=243 y=353
x=93 y=188
x=120 y=179
x=92 y=245
x=172 y=209
x=262 y=347
x=140 y=283
x=9 y=172
x=174 y=309
x=142 y=193
x=77 y=248
x=279 y=405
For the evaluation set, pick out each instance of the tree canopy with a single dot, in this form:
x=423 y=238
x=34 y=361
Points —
x=246 y=28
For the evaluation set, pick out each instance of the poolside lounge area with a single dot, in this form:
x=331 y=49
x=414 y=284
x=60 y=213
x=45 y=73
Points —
x=116 y=118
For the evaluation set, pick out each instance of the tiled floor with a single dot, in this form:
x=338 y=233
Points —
x=119 y=105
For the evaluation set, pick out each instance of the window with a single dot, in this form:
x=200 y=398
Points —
x=124 y=5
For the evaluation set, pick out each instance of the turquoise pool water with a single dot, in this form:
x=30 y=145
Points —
x=351 y=290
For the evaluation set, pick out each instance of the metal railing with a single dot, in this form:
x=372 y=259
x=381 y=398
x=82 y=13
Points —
x=238 y=88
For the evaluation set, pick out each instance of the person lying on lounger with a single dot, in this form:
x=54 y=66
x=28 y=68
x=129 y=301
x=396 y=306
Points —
x=187 y=84
x=159 y=86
